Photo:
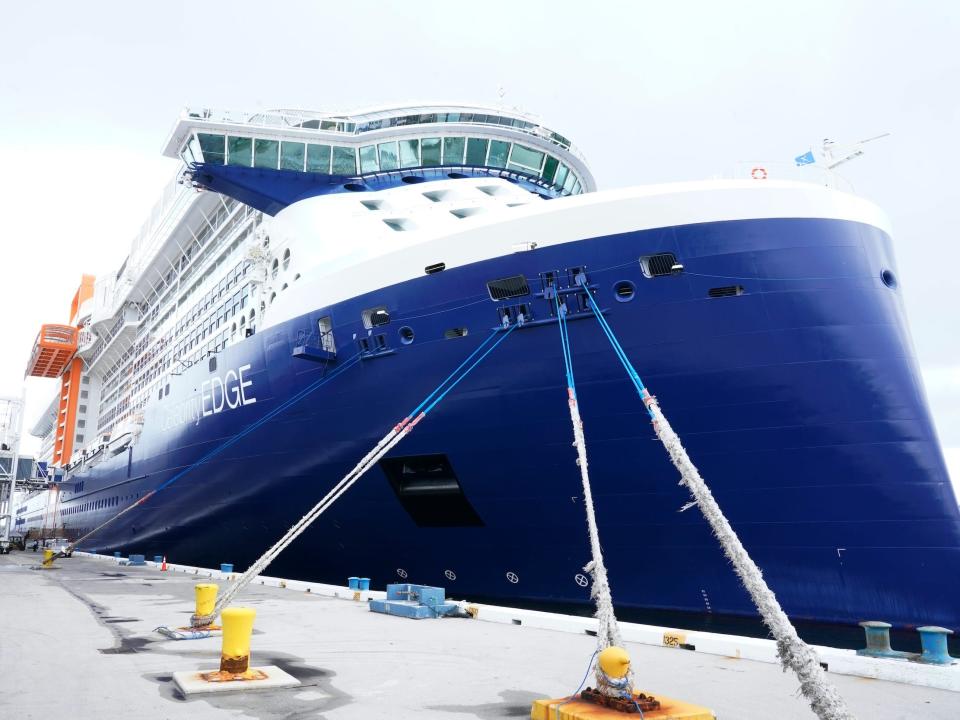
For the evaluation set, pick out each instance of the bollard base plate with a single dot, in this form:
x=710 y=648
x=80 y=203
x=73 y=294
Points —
x=268 y=677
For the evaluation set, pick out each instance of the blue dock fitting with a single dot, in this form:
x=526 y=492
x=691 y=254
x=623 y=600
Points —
x=137 y=560
x=878 y=641
x=353 y=583
x=364 y=583
x=226 y=567
x=414 y=601
x=933 y=640
x=158 y=559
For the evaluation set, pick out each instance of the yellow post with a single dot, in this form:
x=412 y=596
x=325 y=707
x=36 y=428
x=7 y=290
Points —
x=237 y=629
x=48 y=558
x=206 y=598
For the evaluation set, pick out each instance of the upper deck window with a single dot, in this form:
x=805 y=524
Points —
x=266 y=153
x=389 y=156
x=561 y=177
x=212 y=147
x=344 y=161
x=498 y=153
x=430 y=151
x=318 y=158
x=291 y=155
x=477 y=151
x=409 y=153
x=368 y=159
x=240 y=151
x=526 y=159
x=550 y=168
x=453 y=150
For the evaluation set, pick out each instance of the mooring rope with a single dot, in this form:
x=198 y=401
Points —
x=794 y=654
x=608 y=631
x=387 y=443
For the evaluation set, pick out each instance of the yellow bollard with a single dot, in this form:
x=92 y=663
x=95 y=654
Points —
x=237 y=629
x=48 y=558
x=206 y=598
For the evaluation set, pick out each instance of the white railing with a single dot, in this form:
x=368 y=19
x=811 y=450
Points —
x=761 y=170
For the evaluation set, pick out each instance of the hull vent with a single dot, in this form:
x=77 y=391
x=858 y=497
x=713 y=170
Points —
x=726 y=291
x=506 y=288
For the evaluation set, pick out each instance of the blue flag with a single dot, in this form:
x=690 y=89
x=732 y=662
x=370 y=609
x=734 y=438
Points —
x=806 y=159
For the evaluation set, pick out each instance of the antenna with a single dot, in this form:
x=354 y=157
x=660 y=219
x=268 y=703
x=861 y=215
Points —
x=847 y=153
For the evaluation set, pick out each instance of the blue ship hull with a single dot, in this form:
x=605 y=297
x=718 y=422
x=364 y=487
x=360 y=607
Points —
x=799 y=400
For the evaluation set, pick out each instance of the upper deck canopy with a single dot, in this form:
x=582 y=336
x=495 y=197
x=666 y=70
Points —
x=269 y=160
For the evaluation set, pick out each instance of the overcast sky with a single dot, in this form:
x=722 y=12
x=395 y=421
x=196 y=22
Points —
x=651 y=92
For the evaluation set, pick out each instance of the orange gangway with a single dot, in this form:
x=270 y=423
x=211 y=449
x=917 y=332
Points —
x=54 y=347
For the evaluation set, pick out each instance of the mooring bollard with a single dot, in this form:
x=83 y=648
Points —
x=47 y=558
x=933 y=640
x=158 y=559
x=878 y=639
x=237 y=629
x=353 y=583
x=226 y=568
x=363 y=583
x=206 y=598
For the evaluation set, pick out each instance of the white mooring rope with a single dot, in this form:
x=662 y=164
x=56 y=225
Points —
x=793 y=652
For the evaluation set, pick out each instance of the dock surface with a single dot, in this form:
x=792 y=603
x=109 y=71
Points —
x=79 y=641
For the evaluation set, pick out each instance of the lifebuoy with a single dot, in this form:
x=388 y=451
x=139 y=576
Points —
x=759 y=173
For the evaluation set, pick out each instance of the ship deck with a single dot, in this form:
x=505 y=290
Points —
x=79 y=640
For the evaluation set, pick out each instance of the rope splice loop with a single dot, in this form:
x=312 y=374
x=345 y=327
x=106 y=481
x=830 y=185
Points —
x=794 y=654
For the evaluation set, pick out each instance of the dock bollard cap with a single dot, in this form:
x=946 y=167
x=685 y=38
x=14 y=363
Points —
x=614 y=661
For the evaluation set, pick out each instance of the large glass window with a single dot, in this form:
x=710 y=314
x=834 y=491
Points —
x=291 y=155
x=526 y=158
x=266 y=153
x=368 y=159
x=409 y=153
x=550 y=168
x=453 y=150
x=389 y=156
x=569 y=182
x=344 y=161
x=430 y=151
x=477 y=151
x=240 y=151
x=498 y=153
x=318 y=158
x=213 y=148
x=561 y=176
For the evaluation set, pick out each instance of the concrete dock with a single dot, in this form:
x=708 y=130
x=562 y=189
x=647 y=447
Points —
x=79 y=641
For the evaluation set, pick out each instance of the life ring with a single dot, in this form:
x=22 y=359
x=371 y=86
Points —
x=759 y=173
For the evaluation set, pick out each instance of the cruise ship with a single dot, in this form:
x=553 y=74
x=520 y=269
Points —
x=764 y=312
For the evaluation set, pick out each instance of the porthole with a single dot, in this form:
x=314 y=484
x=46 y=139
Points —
x=355 y=187
x=406 y=334
x=456 y=176
x=273 y=296
x=412 y=179
x=286 y=258
x=275 y=268
x=285 y=286
x=296 y=277
x=624 y=291
x=889 y=279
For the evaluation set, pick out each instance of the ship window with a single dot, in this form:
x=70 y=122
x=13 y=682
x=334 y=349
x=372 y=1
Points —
x=409 y=153
x=212 y=147
x=318 y=158
x=240 y=151
x=660 y=264
x=430 y=149
x=286 y=258
x=511 y=287
x=374 y=317
x=726 y=291
x=266 y=153
x=576 y=189
x=212 y=364
x=428 y=489
x=561 y=176
x=435 y=268
x=550 y=168
x=453 y=150
x=389 y=156
x=325 y=327
x=344 y=161
x=368 y=159
x=291 y=155
x=398 y=224
x=569 y=182
x=498 y=153
x=81 y=423
x=527 y=157
x=82 y=408
x=477 y=151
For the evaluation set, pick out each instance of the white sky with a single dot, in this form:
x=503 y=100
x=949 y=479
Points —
x=651 y=92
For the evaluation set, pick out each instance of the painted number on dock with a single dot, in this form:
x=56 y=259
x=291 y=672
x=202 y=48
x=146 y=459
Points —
x=674 y=639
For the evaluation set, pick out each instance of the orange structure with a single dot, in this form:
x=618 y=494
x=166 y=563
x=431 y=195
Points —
x=53 y=356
